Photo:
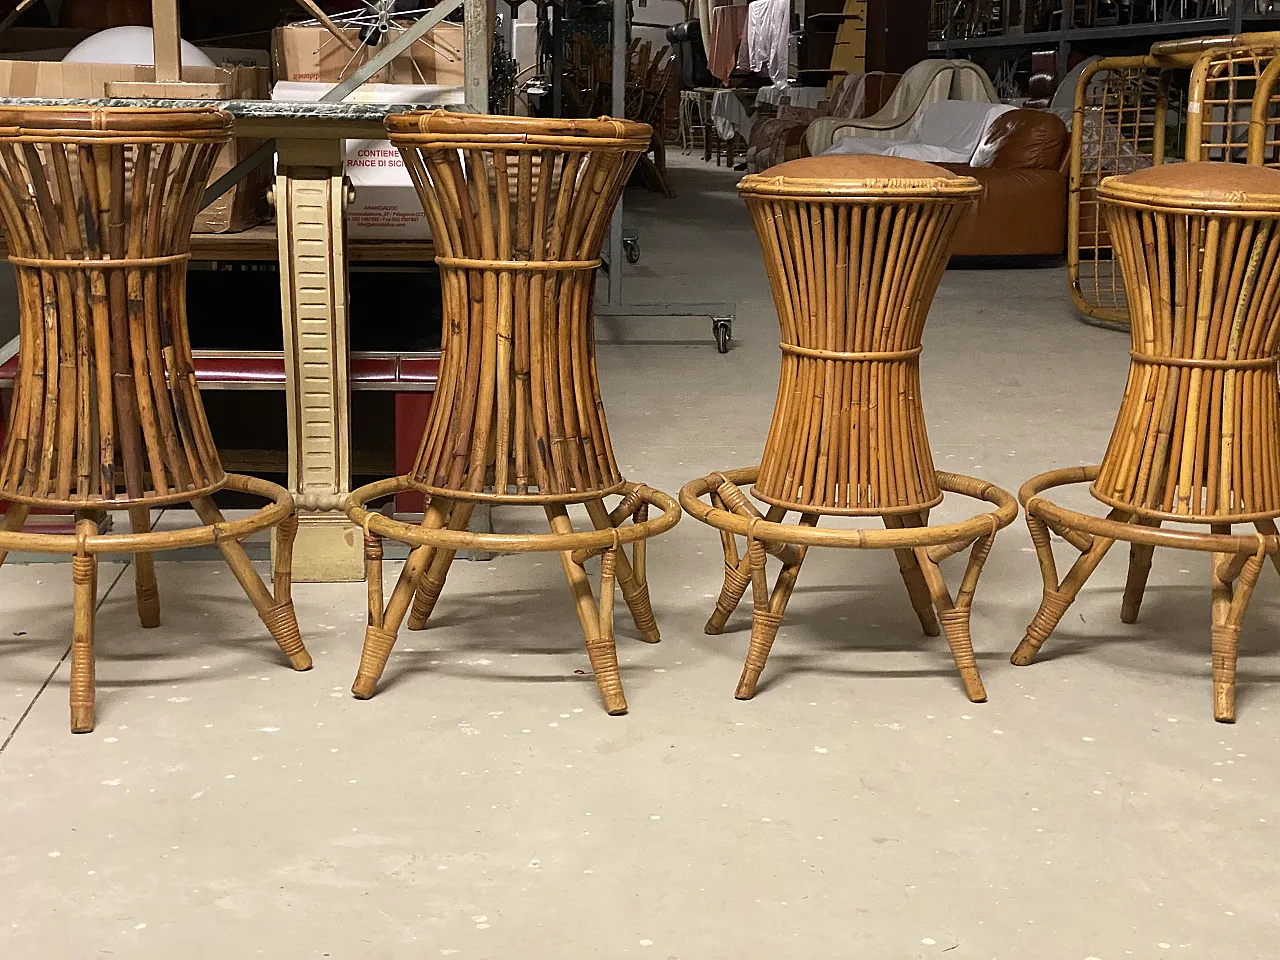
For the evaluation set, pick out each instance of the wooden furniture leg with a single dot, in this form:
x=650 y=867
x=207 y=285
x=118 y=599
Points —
x=13 y=521
x=1056 y=597
x=737 y=570
x=768 y=608
x=913 y=578
x=601 y=648
x=373 y=577
x=380 y=634
x=1136 y=582
x=955 y=614
x=736 y=580
x=431 y=583
x=1265 y=527
x=144 y=572
x=1229 y=606
x=276 y=611
x=631 y=577
x=84 y=576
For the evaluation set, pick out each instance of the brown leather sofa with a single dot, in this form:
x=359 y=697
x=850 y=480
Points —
x=1023 y=211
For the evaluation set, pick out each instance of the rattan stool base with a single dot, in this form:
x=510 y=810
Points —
x=920 y=549
x=1237 y=561
x=274 y=606
x=443 y=532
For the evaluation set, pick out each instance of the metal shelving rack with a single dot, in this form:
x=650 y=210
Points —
x=1068 y=36
x=610 y=301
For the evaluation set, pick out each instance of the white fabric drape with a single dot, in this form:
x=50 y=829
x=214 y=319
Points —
x=768 y=37
x=948 y=132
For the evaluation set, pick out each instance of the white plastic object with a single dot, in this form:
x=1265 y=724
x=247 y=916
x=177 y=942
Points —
x=129 y=45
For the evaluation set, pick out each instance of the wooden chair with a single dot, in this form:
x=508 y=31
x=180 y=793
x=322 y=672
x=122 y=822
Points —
x=519 y=210
x=98 y=207
x=652 y=112
x=586 y=69
x=1197 y=439
x=855 y=247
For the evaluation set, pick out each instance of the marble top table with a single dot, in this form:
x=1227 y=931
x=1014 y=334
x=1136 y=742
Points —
x=310 y=199
x=260 y=118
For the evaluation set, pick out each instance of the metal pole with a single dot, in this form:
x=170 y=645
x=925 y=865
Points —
x=478 y=52
x=618 y=109
x=1064 y=42
x=557 y=61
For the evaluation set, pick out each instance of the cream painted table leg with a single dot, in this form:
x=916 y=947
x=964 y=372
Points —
x=310 y=199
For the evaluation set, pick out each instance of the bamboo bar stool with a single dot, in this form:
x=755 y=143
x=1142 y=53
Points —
x=1196 y=440
x=98 y=205
x=855 y=247
x=519 y=210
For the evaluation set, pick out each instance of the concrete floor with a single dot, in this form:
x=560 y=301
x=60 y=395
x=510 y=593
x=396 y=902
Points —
x=484 y=806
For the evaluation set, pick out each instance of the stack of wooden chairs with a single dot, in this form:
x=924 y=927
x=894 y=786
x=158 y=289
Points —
x=588 y=92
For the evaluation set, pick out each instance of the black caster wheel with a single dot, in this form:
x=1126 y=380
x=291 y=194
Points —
x=631 y=248
x=722 y=327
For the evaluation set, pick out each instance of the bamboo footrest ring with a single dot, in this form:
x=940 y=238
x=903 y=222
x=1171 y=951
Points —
x=443 y=532
x=591 y=540
x=159 y=541
x=85 y=546
x=915 y=547
x=691 y=495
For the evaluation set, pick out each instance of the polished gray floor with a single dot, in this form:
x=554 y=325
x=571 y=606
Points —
x=484 y=806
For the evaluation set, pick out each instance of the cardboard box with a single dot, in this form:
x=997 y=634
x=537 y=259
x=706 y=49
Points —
x=386 y=205
x=313 y=54
x=241 y=208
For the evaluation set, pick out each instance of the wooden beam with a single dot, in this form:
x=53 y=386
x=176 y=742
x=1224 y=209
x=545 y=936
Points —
x=167 y=37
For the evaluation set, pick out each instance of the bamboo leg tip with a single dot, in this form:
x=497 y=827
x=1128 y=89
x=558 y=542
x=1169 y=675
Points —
x=976 y=691
x=419 y=614
x=651 y=636
x=747 y=686
x=615 y=705
x=82 y=720
x=1025 y=653
x=148 y=600
x=378 y=644
x=1128 y=614
x=713 y=628
x=931 y=629
x=1224 y=703
x=282 y=623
